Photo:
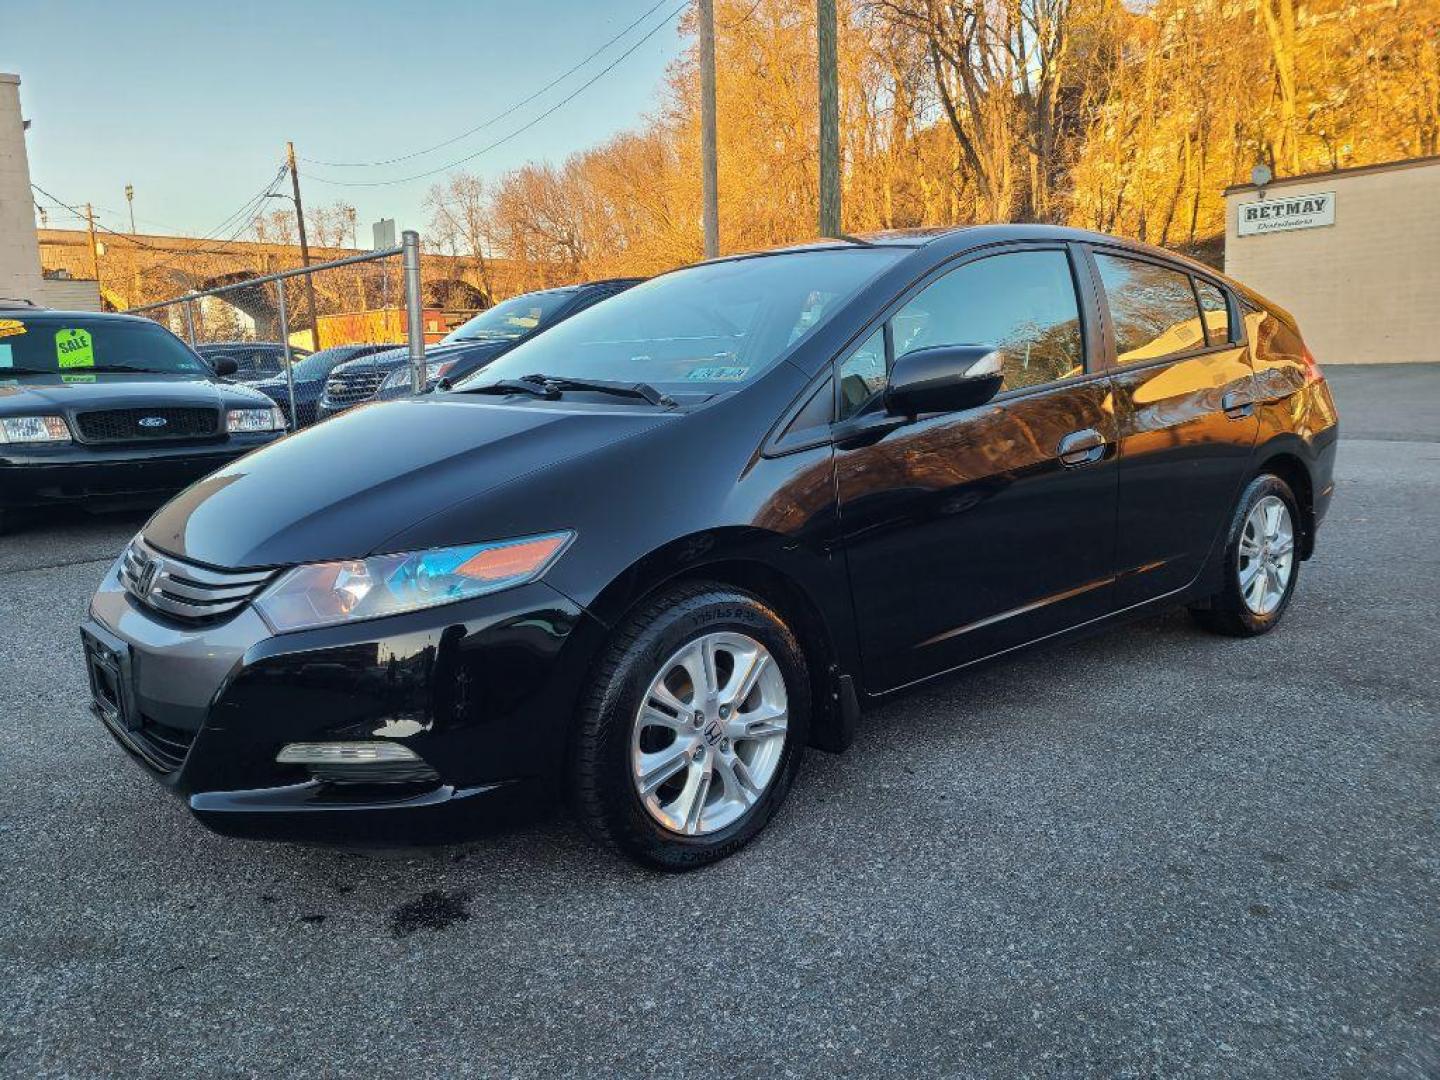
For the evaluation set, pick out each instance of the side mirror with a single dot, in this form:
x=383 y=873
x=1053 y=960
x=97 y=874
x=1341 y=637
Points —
x=225 y=366
x=943 y=378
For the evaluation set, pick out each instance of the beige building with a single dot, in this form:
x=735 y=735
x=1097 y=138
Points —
x=19 y=250
x=1354 y=254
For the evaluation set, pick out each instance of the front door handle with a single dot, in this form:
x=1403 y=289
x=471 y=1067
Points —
x=1237 y=405
x=1081 y=448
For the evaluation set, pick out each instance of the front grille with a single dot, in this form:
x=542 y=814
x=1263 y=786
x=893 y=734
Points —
x=353 y=387
x=147 y=425
x=184 y=590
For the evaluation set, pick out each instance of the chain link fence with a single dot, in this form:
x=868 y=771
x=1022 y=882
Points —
x=307 y=320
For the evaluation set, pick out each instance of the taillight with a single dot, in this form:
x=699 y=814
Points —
x=1312 y=368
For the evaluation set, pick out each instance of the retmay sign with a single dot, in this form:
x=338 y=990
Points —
x=1286 y=212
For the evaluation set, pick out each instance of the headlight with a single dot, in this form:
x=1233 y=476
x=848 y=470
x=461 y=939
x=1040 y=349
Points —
x=34 y=429
x=323 y=593
x=242 y=420
x=402 y=376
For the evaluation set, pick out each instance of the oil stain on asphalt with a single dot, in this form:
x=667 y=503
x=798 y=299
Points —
x=433 y=910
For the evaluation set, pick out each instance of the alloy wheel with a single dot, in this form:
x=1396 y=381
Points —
x=709 y=734
x=1267 y=555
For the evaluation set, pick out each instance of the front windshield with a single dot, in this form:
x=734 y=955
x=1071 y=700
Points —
x=706 y=328
x=74 y=345
x=513 y=319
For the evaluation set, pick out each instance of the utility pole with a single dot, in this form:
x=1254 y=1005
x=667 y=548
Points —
x=829 y=119
x=134 y=263
x=708 y=168
x=94 y=248
x=304 y=246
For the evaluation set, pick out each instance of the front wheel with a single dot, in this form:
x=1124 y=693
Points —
x=1262 y=562
x=693 y=728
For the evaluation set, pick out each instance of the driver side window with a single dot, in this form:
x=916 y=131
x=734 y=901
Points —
x=1021 y=302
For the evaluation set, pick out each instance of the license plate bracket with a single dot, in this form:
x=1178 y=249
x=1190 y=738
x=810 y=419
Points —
x=109 y=667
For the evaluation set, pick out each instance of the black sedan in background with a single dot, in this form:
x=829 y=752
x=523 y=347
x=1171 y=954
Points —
x=310 y=375
x=642 y=561
x=106 y=410
x=469 y=347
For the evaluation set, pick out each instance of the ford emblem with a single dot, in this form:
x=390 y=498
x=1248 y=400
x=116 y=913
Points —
x=153 y=421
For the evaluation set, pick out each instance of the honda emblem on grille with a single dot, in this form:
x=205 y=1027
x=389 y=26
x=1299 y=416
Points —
x=145 y=575
x=152 y=421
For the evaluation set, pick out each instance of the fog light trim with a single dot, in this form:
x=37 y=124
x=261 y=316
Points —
x=344 y=753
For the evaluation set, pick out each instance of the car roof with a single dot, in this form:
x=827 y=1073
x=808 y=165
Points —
x=957 y=239
x=53 y=314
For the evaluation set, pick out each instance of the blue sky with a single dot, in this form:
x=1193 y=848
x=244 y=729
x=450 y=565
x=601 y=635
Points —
x=192 y=102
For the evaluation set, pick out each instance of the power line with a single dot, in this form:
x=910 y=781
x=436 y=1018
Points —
x=86 y=217
x=494 y=119
x=229 y=219
x=239 y=219
x=518 y=131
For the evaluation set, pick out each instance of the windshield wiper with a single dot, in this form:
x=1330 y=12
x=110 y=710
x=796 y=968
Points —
x=514 y=386
x=641 y=390
x=126 y=369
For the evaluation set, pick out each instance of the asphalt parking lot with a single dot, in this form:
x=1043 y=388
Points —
x=1154 y=852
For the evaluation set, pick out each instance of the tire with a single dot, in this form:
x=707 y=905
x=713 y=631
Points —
x=1234 y=610
x=617 y=751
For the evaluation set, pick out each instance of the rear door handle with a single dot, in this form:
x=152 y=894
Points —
x=1237 y=405
x=1081 y=448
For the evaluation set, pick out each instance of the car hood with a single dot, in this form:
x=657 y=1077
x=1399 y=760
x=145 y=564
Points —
x=31 y=393
x=342 y=488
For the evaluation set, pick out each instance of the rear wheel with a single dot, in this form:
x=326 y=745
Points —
x=1262 y=562
x=693 y=728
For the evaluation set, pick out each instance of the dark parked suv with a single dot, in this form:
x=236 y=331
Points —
x=112 y=409
x=643 y=561
x=310 y=375
x=467 y=348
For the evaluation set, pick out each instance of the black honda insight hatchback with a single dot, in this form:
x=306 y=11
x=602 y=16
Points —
x=644 y=560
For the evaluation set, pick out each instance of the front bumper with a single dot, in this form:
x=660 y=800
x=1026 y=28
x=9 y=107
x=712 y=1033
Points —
x=482 y=691
x=37 y=476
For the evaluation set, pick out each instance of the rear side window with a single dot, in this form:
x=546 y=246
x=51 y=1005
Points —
x=1021 y=302
x=1152 y=309
x=1216 y=311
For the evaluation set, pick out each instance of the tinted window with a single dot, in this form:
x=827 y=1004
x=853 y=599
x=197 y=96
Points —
x=1151 y=307
x=706 y=328
x=1023 y=303
x=255 y=363
x=862 y=375
x=75 y=344
x=816 y=413
x=1215 y=310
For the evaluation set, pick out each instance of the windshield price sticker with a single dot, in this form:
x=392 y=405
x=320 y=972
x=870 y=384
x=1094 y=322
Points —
x=7 y=356
x=11 y=327
x=73 y=348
